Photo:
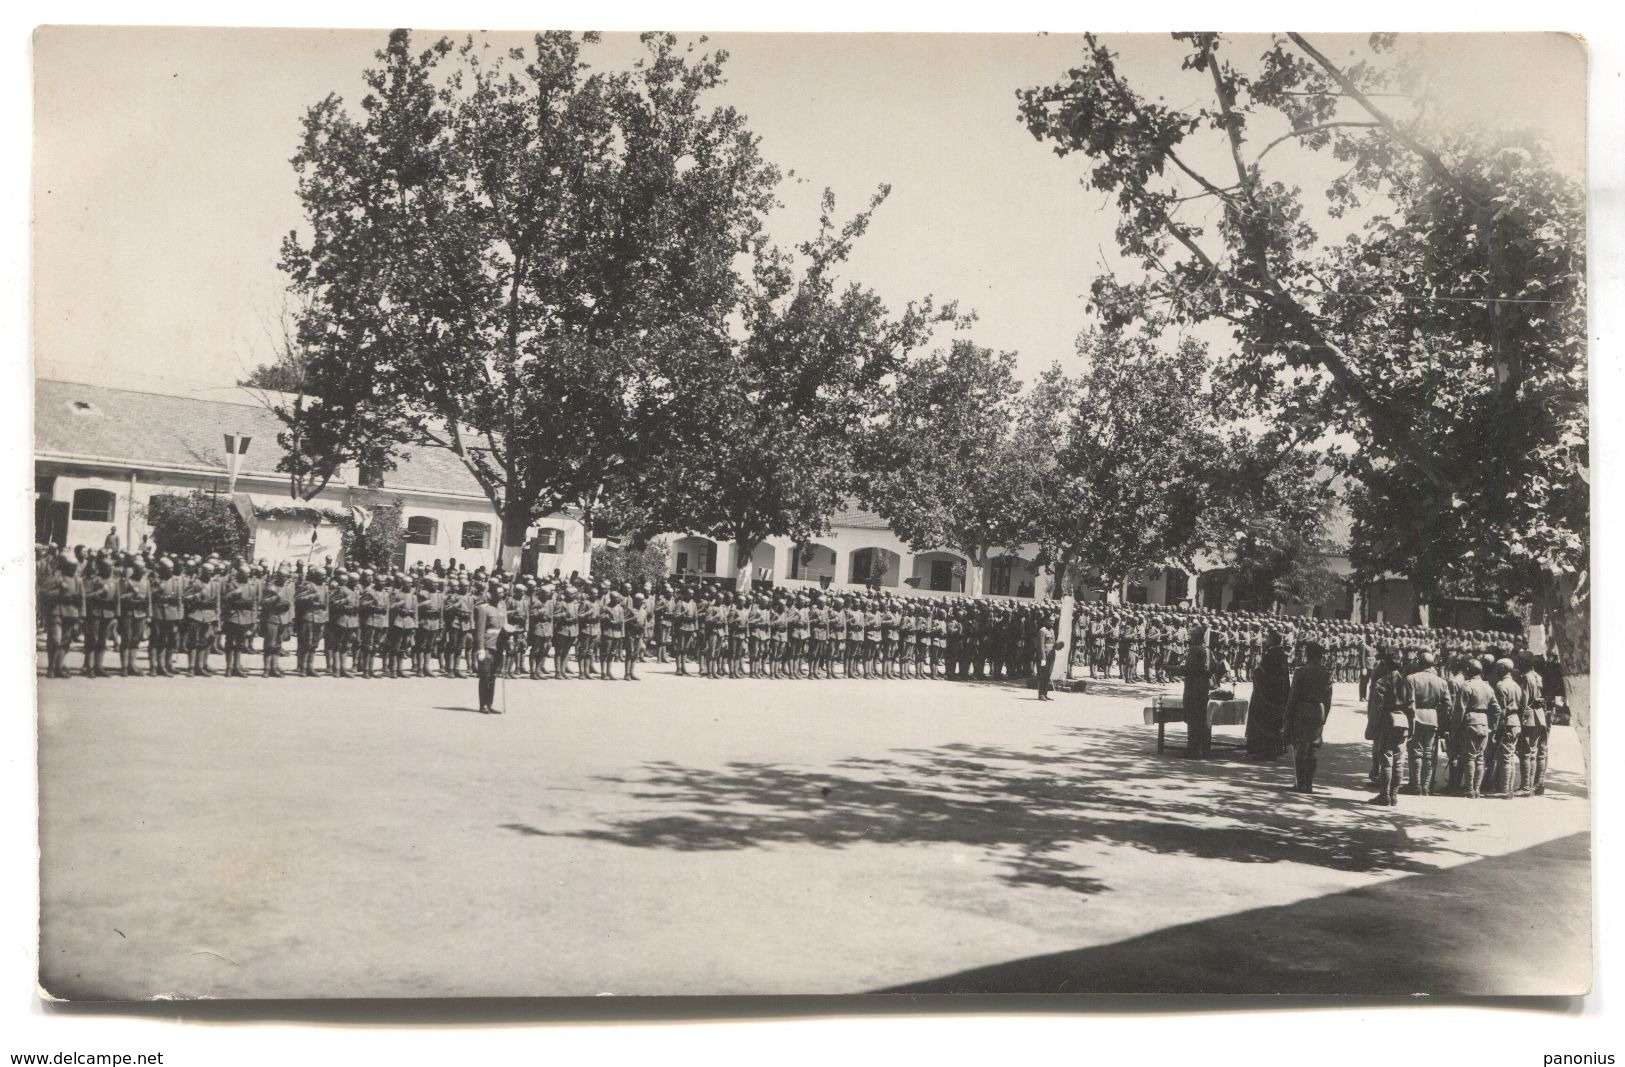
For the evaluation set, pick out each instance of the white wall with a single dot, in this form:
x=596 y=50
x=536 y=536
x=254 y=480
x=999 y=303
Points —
x=834 y=558
x=449 y=512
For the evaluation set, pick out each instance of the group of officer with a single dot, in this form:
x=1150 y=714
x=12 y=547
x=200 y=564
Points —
x=1147 y=642
x=398 y=622
x=1484 y=722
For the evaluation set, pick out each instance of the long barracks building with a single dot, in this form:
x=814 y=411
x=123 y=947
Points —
x=101 y=454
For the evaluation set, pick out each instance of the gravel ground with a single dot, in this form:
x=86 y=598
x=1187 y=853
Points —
x=333 y=838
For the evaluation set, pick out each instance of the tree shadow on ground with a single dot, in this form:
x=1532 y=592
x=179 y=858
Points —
x=1464 y=930
x=1029 y=808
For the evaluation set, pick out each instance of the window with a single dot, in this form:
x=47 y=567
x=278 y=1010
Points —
x=550 y=540
x=476 y=535
x=421 y=530
x=93 y=505
x=999 y=582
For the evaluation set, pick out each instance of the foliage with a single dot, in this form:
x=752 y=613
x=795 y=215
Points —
x=285 y=374
x=651 y=563
x=381 y=543
x=1267 y=518
x=943 y=466
x=1134 y=443
x=1443 y=333
x=197 y=523
x=516 y=257
x=765 y=443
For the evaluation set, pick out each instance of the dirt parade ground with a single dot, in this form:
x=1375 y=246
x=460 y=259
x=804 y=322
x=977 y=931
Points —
x=342 y=838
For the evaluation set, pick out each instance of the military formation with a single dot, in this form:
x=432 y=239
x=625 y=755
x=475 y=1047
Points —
x=422 y=622
x=1447 y=710
x=1147 y=642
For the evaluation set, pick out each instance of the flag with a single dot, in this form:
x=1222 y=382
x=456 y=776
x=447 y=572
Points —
x=236 y=448
x=362 y=517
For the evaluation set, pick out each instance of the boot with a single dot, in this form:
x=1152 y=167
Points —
x=1539 y=789
x=1475 y=776
x=1384 y=782
x=1525 y=779
x=1413 y=786
x=1309 y=774
x=1429 y=768
x=1503 y=779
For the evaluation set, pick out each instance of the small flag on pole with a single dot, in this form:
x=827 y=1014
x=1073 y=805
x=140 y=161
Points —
x=236 y=448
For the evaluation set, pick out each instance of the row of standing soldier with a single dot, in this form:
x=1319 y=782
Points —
x=415 y=622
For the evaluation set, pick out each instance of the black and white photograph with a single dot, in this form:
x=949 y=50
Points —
x=555 y=514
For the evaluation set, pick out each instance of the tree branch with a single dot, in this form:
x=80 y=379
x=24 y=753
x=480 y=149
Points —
x=1312 y=129
x=1430 y=157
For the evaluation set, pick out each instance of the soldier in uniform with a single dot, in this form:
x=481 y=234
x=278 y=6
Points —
x=275 y=612
x=1389 y=716
x=758 y=621
x=738 y=629
x=817 y=635
x=612 y=625
x=516 y=629
x=202 y=600
x=168 y=616
x=686 y=620
x=344 y=615
x=590 y=628
x=1507 y=737
x=541 y=631
x=1308 y=703
x=431 y=624
x=489 y=621
x=1430 y=698
x=566 y=618
x=403 y=626
x=660 y=612
x=1533 y=741
x=63 y=597
x=310 y=619
x=101 y=615
x=373 y=610
x=1476 y=708
x=637 y=625
x=135 y=607
x=241 y=603
x=462 y=606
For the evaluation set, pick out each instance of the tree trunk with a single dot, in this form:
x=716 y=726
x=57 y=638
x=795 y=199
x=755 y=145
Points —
x=515 y=525
x=1057 y=587
x=745 y=551
x=973 y=572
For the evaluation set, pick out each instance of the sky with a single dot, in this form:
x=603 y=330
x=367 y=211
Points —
x=162 y=183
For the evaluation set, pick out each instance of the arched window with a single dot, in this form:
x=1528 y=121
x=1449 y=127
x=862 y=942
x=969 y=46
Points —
x=421 y=530
x=476 y=535
x=93 y=505
x=549 y=540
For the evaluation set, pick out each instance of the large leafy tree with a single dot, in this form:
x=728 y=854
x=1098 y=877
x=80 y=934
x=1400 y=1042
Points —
x=516 y=257
x=1123 y=490
x=1428 y=304
x=1268 y=517
x=765 y=445
x=943 y=466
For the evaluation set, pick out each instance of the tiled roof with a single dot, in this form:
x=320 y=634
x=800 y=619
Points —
x=72 y=420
